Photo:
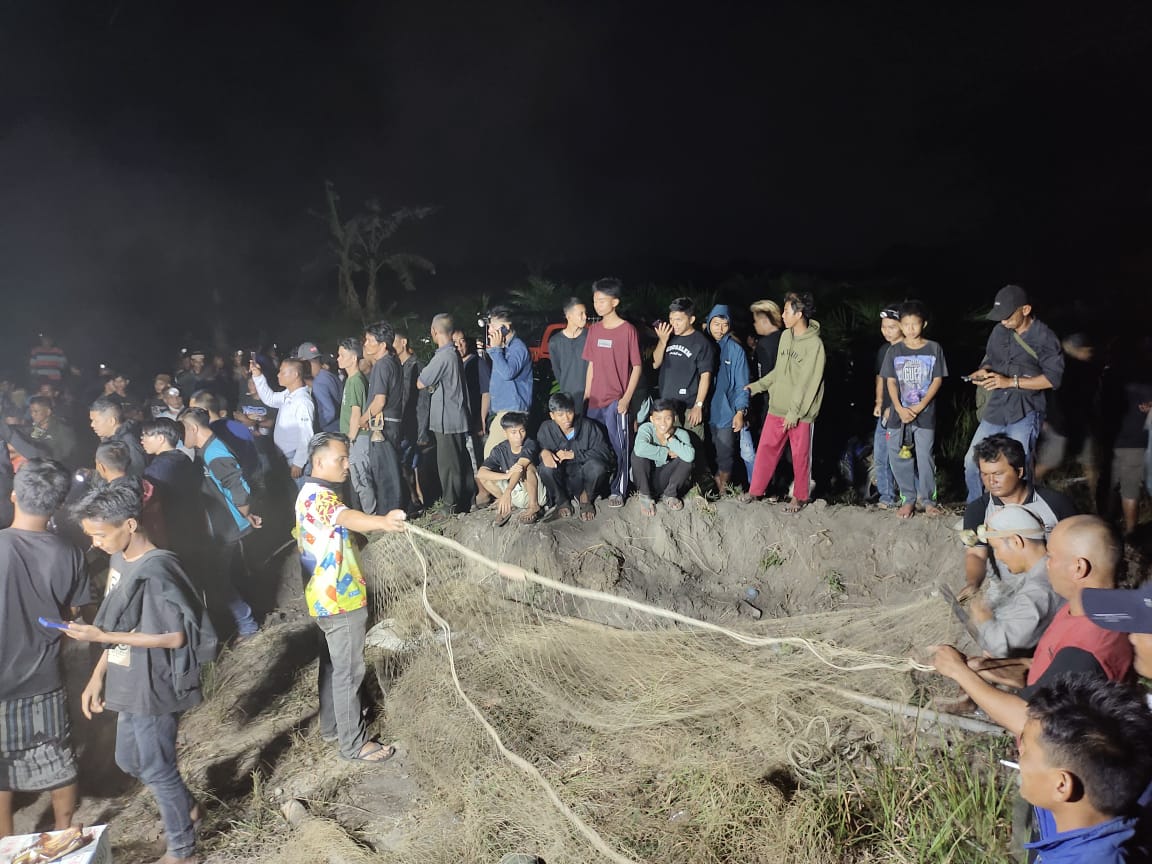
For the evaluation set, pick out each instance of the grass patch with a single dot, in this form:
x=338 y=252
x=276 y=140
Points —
x=773 y=557
x=919 y=802
x=834 y=580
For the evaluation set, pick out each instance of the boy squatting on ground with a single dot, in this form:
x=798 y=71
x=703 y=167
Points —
x=509 y=472
x=662 y=459
x=575 y=458
x=43 y=575
x=157 y=635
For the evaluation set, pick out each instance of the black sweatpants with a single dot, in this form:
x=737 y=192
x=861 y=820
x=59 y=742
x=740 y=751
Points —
x=570 y=479
x=660 y=481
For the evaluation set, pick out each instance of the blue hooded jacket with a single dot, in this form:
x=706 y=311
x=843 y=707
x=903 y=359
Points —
x=728 y=393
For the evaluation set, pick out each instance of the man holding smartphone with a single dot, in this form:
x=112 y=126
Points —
x=511 y=383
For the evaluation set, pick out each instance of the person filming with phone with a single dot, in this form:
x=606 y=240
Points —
x=511 y=383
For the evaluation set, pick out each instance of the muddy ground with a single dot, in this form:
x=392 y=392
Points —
x=252 y=752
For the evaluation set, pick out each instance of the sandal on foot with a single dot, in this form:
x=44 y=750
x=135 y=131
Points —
x=563 y=511
x=374 y=751
x=673 y=504
x=587 y=512
x=747 y=498
x=794 y=506
x=528 y=517
x=647 y=506
x=616 y=501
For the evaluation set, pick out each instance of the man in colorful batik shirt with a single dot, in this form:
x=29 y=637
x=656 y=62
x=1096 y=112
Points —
x=336 y=594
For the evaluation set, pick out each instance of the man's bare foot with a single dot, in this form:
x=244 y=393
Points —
x=529 y=516
x=906 y=511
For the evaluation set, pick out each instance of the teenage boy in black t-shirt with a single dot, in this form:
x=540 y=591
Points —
x=885 y=479
x=686 y=359
x=509 y=472
x=43 y=576
x=156 y=635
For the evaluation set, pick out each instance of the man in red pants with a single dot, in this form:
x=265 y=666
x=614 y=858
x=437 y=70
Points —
x=795 y=389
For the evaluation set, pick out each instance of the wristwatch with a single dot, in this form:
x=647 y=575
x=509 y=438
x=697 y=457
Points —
x=699 y=404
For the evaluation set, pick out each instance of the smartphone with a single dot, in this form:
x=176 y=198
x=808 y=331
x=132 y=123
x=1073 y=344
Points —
x=54 y=623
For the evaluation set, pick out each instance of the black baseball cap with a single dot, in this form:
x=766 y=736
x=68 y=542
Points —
x=1008 y=300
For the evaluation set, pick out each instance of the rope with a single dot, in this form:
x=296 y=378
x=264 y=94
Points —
x=518 y=574
x=524 y=765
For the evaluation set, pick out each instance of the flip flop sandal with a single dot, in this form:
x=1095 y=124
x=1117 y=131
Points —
x=794 y=506
x=529 y=517
x=673 y=504
x=370 y=749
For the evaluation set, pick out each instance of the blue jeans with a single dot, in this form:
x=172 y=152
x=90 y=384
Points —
x=885 y=479
x=146 y=750
x=915 y=477
x=237 y=574
x=1025 y=431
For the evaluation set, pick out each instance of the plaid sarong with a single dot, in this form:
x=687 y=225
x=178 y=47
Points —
x=32 y=720
x=35 y=751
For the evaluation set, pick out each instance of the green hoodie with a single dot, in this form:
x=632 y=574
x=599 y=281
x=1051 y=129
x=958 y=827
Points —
x=796 y=386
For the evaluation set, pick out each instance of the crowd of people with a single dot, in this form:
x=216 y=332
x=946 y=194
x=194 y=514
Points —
x=181 y=486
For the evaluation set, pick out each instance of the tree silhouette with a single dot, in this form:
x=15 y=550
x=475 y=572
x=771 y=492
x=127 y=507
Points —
x=362 y=251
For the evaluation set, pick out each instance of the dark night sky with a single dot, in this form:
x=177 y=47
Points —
x=150 y=147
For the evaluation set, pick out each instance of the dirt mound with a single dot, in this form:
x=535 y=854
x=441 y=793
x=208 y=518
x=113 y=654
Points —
x=253 y=754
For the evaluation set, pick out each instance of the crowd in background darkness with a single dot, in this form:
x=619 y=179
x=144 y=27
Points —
x=191 y=488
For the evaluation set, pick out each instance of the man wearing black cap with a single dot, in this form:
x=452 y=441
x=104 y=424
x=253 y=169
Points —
x=326 y=391
x=1022 y=361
